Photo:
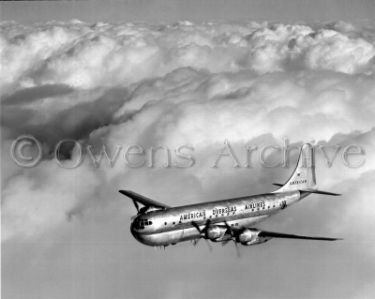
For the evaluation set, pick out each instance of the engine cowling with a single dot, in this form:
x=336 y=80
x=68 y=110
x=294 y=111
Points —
x=215 y=232
x=251 y=237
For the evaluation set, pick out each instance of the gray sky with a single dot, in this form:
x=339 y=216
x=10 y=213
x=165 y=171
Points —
x=196 y=10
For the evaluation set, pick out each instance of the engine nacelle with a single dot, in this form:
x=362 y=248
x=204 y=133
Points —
x=215 y=232
x=251 y=237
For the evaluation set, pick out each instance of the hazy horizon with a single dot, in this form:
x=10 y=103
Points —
x=167 y=11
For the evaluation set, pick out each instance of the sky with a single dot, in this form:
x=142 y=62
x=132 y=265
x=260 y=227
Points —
x=196 y=10
x=96 y=78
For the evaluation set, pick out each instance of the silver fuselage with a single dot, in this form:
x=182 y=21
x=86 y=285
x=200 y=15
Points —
x=173 y=225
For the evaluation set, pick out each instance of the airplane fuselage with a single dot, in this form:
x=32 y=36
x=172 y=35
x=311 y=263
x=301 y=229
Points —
x=174 y=225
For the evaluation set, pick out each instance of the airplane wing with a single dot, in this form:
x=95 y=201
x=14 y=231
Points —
x=289 y=236
x=147 y=202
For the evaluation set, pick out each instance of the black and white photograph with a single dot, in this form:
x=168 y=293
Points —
x=171 y=149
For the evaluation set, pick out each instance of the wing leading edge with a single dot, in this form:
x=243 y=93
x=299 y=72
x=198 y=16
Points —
x=147 y=202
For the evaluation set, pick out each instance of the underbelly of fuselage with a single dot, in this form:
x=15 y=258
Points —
x=177 y=235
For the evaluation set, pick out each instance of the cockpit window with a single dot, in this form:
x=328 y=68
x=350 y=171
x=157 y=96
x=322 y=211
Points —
x=141 y=223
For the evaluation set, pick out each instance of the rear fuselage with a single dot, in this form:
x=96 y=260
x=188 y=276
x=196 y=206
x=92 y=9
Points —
x=170 y=226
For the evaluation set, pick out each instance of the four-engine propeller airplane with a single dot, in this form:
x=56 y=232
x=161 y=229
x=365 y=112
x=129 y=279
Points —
x=157 y=224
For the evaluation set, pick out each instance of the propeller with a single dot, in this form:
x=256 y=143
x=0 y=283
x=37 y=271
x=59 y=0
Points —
x=233 y=238
x=203 y=232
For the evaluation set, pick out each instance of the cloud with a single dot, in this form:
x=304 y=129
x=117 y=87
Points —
x=43 y=198
x=83 y=56
x=184 y=84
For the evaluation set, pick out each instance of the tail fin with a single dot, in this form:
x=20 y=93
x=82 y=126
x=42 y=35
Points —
x=303 y=177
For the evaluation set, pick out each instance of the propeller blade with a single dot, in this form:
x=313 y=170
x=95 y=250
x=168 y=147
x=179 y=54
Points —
x=195 y=242
x=202 y=231
x=206 y=226
x=237 y=249
x=193 y=223
x=229 y=228
x=209 y=245
x=233 y=235
x=225 y=242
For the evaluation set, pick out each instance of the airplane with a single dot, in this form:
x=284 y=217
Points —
x=157 y=224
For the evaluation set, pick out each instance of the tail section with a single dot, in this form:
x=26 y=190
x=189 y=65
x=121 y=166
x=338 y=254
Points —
x=303 y=177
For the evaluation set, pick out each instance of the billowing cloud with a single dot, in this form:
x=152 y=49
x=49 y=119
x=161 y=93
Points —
x=85 y=56
x=190 y=85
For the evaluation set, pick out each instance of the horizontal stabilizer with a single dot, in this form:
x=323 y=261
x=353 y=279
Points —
x=289 y=236
x=147 y=202
x=311 y=190
x=321 y=192
x=277 y=184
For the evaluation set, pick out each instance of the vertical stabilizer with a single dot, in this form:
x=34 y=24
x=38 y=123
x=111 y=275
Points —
x=303 y=177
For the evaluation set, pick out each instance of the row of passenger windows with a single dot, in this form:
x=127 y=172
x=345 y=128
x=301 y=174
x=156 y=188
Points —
x=174 y=223
x=269 y=207
x=144 y=222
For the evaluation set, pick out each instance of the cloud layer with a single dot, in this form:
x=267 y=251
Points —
x=85 y=56
x=173 y=85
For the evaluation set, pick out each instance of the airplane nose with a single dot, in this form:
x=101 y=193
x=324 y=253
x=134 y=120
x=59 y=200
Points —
x=134 y=231
x=132 y=225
